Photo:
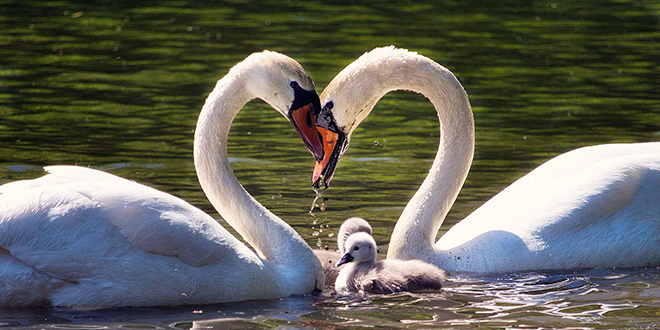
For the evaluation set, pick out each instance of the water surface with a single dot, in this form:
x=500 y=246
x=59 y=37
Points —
x=118 y=87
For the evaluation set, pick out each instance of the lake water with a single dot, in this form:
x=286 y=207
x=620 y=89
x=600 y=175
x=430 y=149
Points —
x=118 y=87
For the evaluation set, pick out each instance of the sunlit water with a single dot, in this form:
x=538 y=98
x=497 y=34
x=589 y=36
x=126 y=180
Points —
x=119 y=88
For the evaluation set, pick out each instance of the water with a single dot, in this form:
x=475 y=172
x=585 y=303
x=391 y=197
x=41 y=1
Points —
x=118 y=87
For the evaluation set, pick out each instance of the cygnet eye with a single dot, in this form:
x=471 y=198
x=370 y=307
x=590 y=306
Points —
x=356 y=248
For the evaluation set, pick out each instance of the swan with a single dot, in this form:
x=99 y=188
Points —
x=79 y=237
x=329 y=258
x=592 y=207
x=362 y=272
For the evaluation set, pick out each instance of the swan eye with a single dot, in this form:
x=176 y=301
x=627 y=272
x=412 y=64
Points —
x=356 y=248
x=329 y=105
x=294 y=84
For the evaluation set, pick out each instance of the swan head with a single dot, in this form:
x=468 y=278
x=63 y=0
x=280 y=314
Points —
x=360 y=248
x=349 y=98
x=283 y=83
x=349 y=227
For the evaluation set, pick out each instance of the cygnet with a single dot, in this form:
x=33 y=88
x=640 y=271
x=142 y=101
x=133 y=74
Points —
x=329 y=258
x=362 y=272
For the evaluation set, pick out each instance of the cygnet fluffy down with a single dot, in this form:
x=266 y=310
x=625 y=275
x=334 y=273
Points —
x=329 y=258
x=362 y=272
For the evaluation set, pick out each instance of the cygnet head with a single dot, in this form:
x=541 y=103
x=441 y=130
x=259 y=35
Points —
x=360 y=248
x=349 y=227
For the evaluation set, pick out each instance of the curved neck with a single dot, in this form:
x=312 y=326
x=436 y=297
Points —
x=415 y=231
x=271 y=237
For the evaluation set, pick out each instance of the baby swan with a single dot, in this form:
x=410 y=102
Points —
x=329 y=258
x=349 y=227
x=364 y=273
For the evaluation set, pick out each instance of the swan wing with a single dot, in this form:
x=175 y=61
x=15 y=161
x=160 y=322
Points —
x=592 y=207
x=587 y=183
x=578 y=159
x=75 y=221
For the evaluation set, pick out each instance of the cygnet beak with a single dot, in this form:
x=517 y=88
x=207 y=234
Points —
x=345 y=259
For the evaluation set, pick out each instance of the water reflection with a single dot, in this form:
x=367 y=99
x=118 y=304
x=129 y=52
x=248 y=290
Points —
x=592 y=299
x=589 y=298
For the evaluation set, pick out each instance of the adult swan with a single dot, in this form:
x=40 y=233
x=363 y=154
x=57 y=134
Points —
x=81 y=237
x=591 y=207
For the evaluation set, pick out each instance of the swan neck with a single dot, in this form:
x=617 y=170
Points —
x=270 y=236
x=414 y=234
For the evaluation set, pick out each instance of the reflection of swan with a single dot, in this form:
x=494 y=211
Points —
x=81 y=237
x=362 y=272
x=329 y=258
x=591 y=207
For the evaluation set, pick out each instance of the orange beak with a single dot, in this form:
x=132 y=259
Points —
x=334 y=145
x=303 y=120
x=329 y=142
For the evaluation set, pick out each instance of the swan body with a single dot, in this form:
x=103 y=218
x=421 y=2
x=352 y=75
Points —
x=329 y=258
x=592 y=207
x=588 y=208
x=82 y=237
x=361 y=272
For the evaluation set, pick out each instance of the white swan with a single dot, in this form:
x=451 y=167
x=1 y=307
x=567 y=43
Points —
x=592 y=207
x=82 y=237
x=329 y=258
x=362 y=272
